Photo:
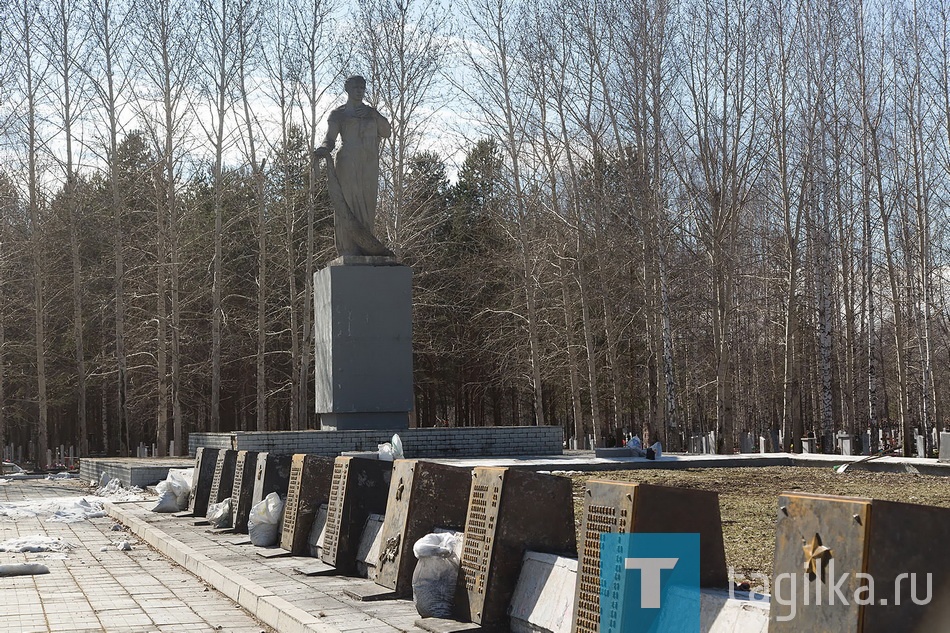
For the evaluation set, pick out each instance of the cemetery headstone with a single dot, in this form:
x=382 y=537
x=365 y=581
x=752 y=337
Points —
x=358 y=489
x=307 y=490
x=422 y=496
x=272 y=474
x=856 y=565
x=205 y=461
x=844 y=443
x=624 y=508
x=222 y=484
x=245 y=467
x=509 y=512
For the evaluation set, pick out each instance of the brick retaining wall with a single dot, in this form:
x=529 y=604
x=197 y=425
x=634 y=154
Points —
x=490 y=441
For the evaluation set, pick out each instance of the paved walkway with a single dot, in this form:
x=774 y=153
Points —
x=270 y=588
x=91 y=590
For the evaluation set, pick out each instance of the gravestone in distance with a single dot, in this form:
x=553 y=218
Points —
x=944 y=454
x=242 y=492
x=206 y=459
x=422 y=496
x=307 y=490
x=359 y=488
x=509 y=512
x=834 y=545
x=624 y=508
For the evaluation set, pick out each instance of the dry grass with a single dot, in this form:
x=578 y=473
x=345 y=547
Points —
x=748 y=499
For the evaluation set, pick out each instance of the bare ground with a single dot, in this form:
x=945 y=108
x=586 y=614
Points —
x=748 y=499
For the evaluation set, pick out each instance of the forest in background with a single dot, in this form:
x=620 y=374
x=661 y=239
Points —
x=667 y=218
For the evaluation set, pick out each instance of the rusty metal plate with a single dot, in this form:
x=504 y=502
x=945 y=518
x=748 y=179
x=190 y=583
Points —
x=205 y=461
x=423 y=496
x=341 y=470
x=818 y=538
x=483 y=505
x=359 y=487
x=308 y=488
x=271 y=475
x=241 y=495
x=223 y=482
x=292 y=503
x=509 y=511
x=623 y=507
x=608 y=507
x=914 y=540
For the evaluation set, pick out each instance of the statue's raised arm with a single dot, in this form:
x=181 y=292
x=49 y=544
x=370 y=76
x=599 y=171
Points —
x=353 y=177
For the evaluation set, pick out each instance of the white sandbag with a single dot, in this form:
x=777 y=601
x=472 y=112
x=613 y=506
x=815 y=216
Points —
x=436 y=574
x=263 y=522
x=22 y=569
x=219 y=514
x=180 y=481
x=167 y=501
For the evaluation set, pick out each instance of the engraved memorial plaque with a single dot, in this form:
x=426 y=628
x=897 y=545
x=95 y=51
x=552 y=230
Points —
x=359 y=487
x=509 y=511
x=621 y=508
x=205 y=461
x=423 y=496
x=223 y=482
x=860 y=566
x=245 y=468
x=307 y=490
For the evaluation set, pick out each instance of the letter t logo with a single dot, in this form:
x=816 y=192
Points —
x=650 y=569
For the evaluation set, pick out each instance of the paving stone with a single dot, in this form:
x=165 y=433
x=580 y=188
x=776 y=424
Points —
x=89 y=590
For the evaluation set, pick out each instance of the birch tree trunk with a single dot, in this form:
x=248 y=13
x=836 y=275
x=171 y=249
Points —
x=31 y=77
x=493 y=27
x=61 y=24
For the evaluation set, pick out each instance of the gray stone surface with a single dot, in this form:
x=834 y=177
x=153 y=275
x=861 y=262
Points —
x=945 y=447
x=364 y=260
x=131 y=471
x=544 y=596
x=363 y=346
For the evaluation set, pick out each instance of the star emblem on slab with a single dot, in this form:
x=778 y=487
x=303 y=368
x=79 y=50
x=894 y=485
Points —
x=815 y=555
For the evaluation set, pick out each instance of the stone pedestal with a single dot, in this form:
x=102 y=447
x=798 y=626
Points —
x=363 y=344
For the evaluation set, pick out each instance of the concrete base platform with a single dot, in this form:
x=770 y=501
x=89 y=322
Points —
x=439 y=625
x=585 y=461
x=131 y=471
x=369 y=591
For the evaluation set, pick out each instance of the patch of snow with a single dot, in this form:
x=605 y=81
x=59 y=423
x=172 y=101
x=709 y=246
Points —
x=114 y=491
x=62 y=475
x=79 y=511
x=61 y=510
x=35 y=544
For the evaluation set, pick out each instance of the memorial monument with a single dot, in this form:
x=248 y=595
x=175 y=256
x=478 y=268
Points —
x=363 y=298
